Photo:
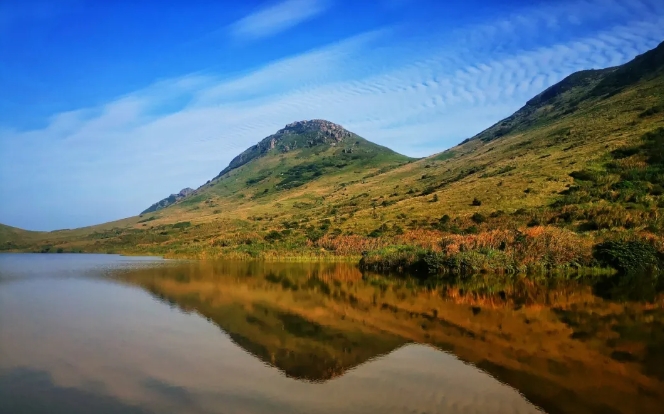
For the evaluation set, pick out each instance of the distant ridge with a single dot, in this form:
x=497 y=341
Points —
x=564 y=97
x=171 y=199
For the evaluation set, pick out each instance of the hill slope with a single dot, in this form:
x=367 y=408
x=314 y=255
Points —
x=582 y=157
x=15 y=238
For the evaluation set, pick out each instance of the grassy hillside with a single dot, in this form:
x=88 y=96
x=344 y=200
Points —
x=15 y=238
x=579 y=165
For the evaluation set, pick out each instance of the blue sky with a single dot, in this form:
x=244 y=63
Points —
x=107 y=107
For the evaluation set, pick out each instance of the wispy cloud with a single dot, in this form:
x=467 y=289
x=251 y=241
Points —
x=416 y=97
x=277 y=18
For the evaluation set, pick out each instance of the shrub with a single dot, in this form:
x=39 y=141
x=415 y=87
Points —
x=478 y=218
x=314 y=234
x=182 y=225
x=435 y=262
x=273 y=236
x=534 y=222
x=400 y=258
x=627 y=256
x=584 y=175
x=651 y=111
x=476 y=202
x=325 y=224
x=379 y=231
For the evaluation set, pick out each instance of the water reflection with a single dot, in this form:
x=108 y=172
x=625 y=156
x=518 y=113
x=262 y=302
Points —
x=564 y=347
x=321 y=338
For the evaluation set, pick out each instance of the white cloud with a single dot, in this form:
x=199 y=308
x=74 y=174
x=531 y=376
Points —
x=417 y=98
x=277 y=18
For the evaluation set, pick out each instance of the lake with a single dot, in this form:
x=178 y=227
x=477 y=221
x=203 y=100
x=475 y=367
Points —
x=112 y=334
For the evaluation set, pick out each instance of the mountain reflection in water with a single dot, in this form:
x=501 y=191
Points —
x=564 y=347
x=340 y=341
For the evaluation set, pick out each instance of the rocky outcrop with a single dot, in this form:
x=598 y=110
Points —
x=171 y=199
x=326 y=131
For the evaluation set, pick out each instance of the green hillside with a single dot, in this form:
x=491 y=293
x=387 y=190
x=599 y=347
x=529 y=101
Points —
x=579 y=166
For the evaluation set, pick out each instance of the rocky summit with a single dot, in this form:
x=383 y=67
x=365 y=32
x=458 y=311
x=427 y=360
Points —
x=324 y=129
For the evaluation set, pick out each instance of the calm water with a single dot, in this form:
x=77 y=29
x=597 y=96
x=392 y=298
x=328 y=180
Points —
x=111 y=334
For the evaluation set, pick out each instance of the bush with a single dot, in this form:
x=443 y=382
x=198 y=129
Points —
x=436 y=262
x=651 y=111
x=379 y=231
x=314 y=234
x=478 y=218
x=497 y=213
x=584 y=175
x=325 y=224
x=399 y=258
x=627 y=256
x=534 y=222
x=476 y=202
x=182 y=225
x=472 y=230
x=273 y=236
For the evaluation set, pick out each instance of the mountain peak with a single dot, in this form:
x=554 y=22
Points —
x=296 y=135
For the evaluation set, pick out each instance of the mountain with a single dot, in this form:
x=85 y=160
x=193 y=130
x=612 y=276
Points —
x=582 y=161
x=171 y=199
x=298 y=135
x=565 y=97
x=301 y=153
